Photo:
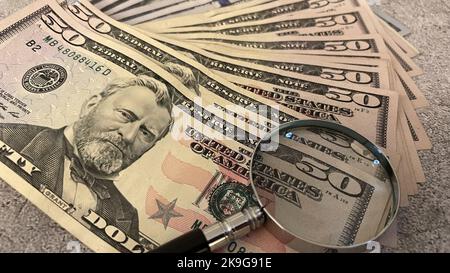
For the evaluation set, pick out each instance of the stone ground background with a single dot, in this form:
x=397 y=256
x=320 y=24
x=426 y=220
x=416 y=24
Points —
x=423 y=227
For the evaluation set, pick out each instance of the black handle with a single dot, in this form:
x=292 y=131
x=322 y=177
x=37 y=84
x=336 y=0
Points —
x=192 y=242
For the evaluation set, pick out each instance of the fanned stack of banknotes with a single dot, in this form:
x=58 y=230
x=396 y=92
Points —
x=124 y=169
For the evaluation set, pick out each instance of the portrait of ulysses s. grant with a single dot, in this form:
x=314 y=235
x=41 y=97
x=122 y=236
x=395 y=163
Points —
x=80 y=162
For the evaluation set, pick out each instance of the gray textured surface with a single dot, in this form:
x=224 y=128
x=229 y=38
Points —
x=423 y=227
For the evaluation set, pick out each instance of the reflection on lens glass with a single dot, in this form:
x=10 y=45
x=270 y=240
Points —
x=323 y=186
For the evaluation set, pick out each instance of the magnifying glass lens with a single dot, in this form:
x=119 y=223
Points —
x=323 y=185
x=318 y=186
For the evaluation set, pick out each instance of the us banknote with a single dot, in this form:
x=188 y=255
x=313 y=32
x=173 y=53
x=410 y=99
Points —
x=127 y=109
x=367 y=46
x=201 y=64
x=258 y=12
x=160 y=10
x=99 y=138
x=349 y=22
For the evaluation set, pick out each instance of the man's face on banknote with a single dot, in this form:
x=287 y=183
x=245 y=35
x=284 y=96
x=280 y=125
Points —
x=117 y=129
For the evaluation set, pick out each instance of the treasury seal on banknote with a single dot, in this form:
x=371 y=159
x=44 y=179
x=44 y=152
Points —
x=229 y=198
x=44 y=78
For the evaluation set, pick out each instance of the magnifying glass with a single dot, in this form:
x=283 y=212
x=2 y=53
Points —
x=319 y=186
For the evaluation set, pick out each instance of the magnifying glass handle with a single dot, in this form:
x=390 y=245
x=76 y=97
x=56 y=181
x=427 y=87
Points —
x=216 y=236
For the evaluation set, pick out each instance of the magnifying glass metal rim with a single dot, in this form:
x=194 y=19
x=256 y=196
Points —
x=380 y=156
